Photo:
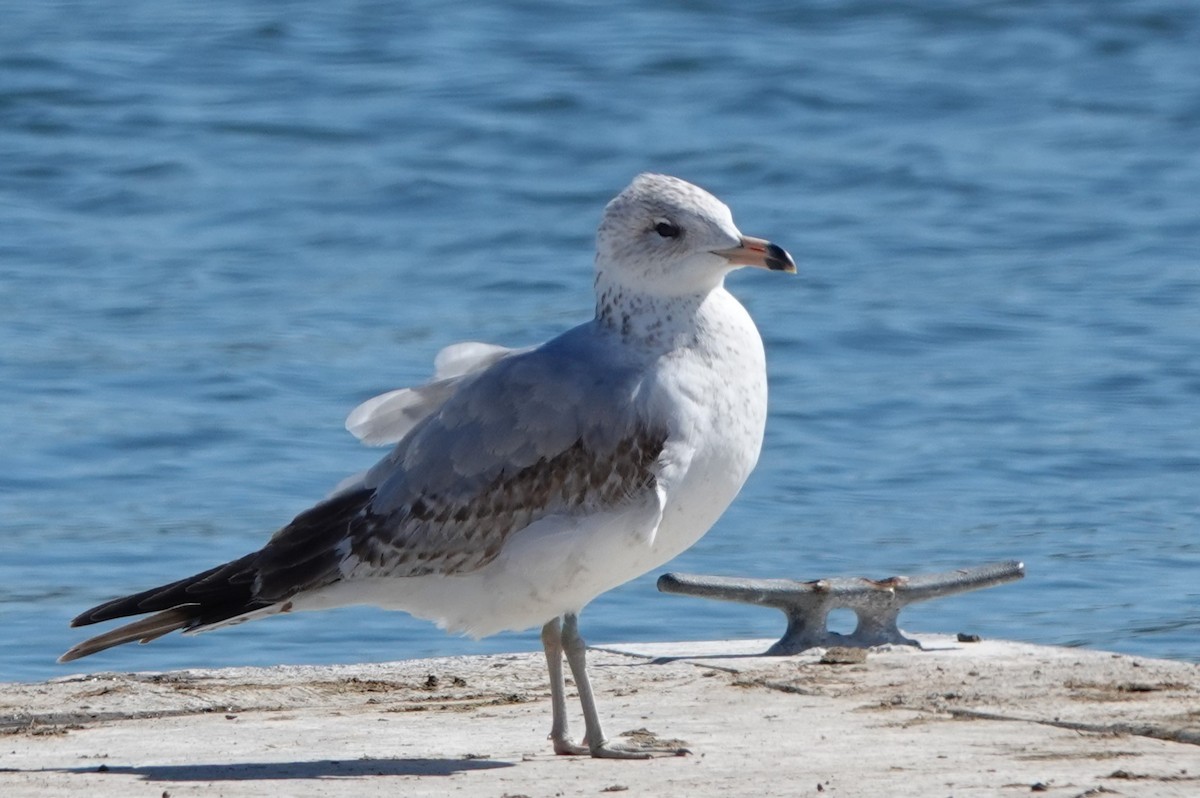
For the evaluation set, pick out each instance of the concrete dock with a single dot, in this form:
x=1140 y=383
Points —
x=988 y=718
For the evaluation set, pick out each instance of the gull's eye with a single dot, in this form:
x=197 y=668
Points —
x=667 y=229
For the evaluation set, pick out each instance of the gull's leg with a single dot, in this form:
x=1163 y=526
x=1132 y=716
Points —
x=559 y=735
x=576 y=653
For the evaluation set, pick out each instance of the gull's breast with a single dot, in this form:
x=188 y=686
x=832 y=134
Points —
x=720 y=388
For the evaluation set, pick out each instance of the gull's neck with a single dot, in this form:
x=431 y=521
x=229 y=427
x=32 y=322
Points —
x=654 y=320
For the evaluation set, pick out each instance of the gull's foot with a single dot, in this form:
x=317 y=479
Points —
x=611 y=750
x=643 y=745
x=564 y=747
x=607 y=750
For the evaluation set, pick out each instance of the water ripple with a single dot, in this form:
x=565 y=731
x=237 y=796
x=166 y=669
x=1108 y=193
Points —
x=224 y=224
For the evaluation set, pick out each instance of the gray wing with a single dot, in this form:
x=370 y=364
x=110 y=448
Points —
x=554 y=430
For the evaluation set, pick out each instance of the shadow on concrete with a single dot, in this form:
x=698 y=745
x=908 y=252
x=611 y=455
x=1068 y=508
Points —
x=320 y=769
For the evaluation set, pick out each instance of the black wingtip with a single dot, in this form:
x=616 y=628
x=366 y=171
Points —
x=144 y=630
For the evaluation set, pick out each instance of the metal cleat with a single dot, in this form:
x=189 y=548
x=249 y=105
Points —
x=876 y=603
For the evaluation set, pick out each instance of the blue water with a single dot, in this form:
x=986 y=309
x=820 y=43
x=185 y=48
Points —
x=224 y=224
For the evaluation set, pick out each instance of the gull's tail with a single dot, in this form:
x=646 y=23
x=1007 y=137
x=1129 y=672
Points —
x=301 y=556
x=207 y=598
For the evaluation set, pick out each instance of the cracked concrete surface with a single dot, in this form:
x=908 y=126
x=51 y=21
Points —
x=962 y=719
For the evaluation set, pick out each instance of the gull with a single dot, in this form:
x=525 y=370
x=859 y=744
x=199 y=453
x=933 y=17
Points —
x=523 y=483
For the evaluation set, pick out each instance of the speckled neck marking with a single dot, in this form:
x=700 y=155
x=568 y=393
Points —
x=652 y=320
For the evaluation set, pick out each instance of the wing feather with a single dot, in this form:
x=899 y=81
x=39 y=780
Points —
x=558 y=430
x=555 y=430
x=387 y=418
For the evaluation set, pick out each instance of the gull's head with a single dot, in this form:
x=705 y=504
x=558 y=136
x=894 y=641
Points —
x=664 y=236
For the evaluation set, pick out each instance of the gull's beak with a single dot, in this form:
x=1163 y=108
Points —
x=759 y=252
